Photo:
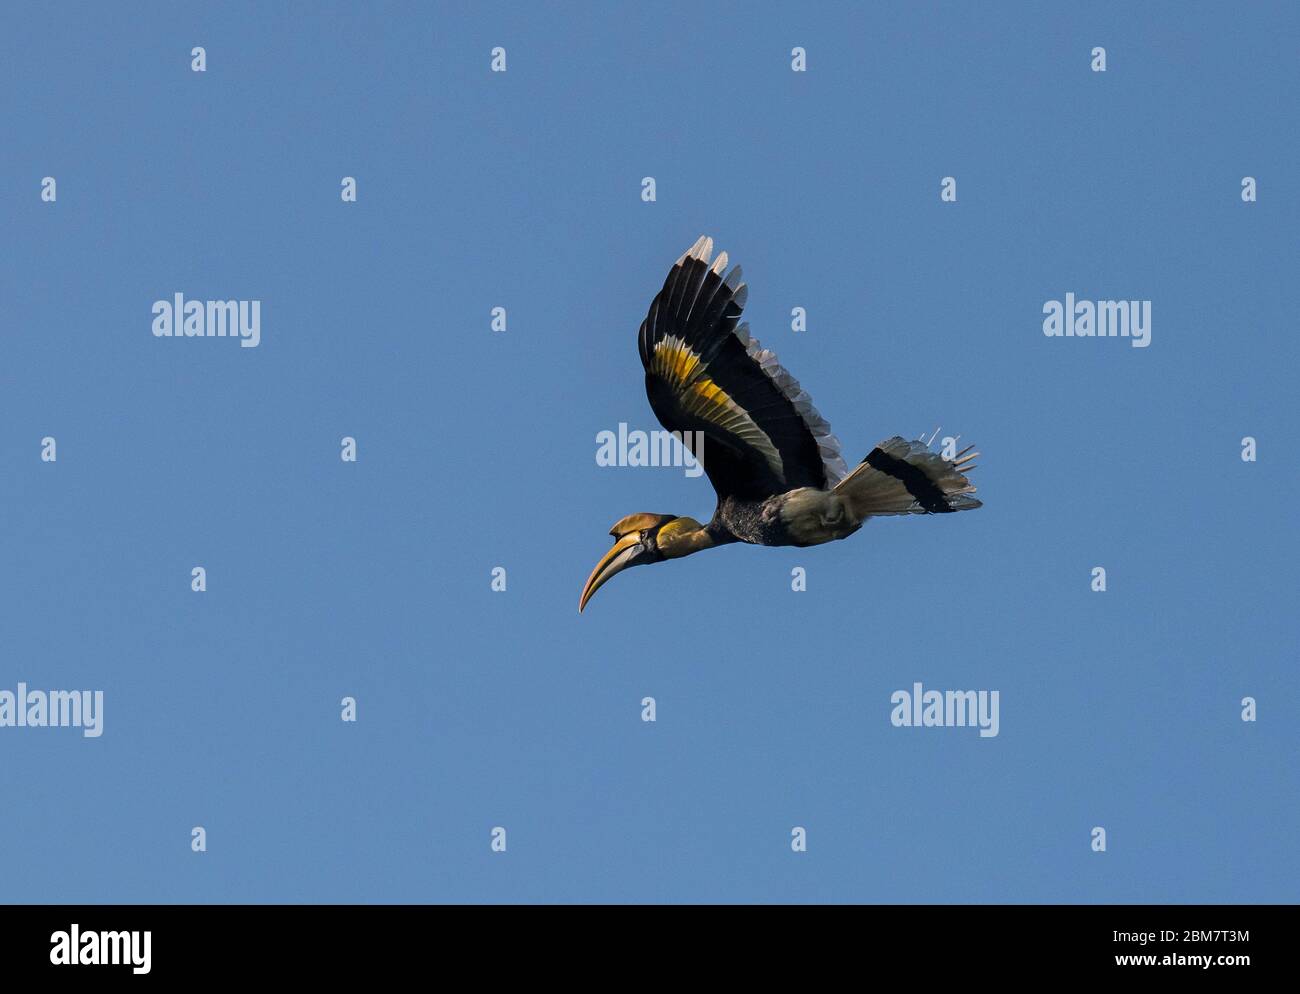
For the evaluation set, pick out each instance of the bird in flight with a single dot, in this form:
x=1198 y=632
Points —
x=770 y=456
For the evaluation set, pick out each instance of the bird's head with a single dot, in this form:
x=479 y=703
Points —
x=643 y=538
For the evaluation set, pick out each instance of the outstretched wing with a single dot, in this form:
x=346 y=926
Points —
x=762 y=436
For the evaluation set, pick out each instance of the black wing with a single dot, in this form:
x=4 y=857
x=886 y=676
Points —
x=762 y=436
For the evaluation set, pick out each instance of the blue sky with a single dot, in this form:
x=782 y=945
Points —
x=477 y=449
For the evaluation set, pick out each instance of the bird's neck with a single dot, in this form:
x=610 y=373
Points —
x=687 y=542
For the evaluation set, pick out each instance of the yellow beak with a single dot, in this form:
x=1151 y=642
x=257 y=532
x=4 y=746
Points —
x=614 y=561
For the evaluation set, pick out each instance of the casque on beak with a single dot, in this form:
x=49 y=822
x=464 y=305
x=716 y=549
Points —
x=624 y=554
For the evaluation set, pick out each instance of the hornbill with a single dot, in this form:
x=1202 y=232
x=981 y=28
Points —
x=770 y=456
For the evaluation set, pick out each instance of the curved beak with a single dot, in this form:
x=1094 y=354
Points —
x=617 y=559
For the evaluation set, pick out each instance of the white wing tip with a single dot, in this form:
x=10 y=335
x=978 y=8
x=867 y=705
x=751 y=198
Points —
x=702 y=250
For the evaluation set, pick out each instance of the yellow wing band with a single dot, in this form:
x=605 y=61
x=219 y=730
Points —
x=680 y=367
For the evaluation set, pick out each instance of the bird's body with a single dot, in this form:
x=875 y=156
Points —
x=770 y=456
x=802 y=517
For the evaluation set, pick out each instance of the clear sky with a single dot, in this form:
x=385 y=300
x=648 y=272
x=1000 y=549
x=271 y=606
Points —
x=476 y=449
